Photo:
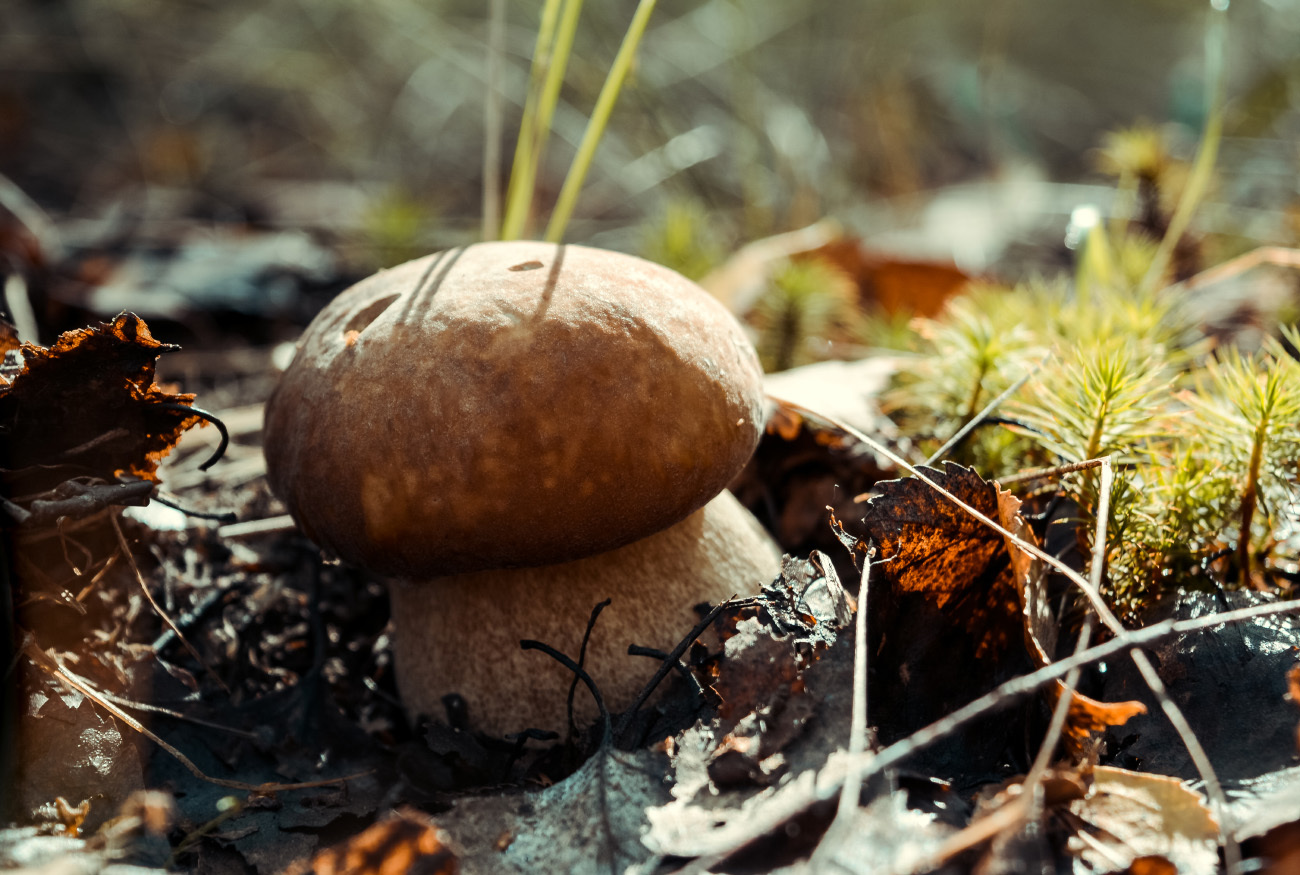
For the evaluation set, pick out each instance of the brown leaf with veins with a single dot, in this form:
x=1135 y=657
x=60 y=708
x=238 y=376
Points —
x=931 y=546
x=88 y=407
x=970 y=592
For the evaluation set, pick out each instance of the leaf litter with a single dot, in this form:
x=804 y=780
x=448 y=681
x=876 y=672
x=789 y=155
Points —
x=737 y=770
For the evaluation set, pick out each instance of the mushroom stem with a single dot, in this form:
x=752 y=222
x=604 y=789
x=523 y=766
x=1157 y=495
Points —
x=654 y=583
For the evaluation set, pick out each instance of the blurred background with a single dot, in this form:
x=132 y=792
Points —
x=224 y=167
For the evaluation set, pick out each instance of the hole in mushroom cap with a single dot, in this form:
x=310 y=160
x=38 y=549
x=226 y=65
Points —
x=527 y=265
x=359 y=321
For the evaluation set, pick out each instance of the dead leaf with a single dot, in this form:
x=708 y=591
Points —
x=70 y=750
x=88 y=407
x=1087 y=716
x=802 y=465
x=930 y=546
x=407 y=841
x=892 y=284
x=1128 y=816
x=590 y=823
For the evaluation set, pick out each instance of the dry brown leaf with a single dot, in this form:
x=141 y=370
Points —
x=894 y=285
x=931 y=546
x=88 y=407
x=804 y=463
x=1129 y=816
x=1087 y=716
x=408 y=841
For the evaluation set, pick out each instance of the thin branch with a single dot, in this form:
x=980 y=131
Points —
x=581 y=673
x=582 y=661
x=1044 y=473
x=1279 y=256
x=667 y=666
x=47 y=664
x=144 y=587
x=984 y=414
x=842 y=826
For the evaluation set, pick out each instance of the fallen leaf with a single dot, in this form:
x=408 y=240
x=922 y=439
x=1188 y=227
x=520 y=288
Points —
x=894 y=285
x=88 y=407
x=1086 y=716
x=1128 y=816
x=929 y=545
x=407 y=841
x=802 y=465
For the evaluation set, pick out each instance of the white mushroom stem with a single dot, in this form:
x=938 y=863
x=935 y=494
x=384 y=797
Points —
x=461 y=634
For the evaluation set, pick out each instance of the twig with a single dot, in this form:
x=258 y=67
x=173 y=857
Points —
x=683 y=669
x=47 y=664
x=582 y=661
x=666 y=666
x=208 y=417
x=1279 y=256
x=842 y=825
x=130 y=560
x=224 y=516
x=269 y=526
x=158 y=709
x=1044 y=473
x=985 y=413
x=77 y=499
x=581 y=673
x=1035 y=777
x=190 y=617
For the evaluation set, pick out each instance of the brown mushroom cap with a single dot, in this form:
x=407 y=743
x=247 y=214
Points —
x=510 y=404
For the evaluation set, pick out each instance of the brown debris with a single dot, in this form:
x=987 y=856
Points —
x=88 y=407
x=407 y=841
x=1087 y=717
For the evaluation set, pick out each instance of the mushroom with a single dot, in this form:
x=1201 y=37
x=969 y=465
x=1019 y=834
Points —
x=511 y=433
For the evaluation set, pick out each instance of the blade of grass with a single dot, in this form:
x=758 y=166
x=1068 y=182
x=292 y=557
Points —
x=492 y=121
x=599 y=119
x=548 y=97
x=516 y=207
x=1216 y=36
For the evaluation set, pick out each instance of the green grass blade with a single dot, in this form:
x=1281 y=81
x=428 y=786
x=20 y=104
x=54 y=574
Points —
x=599 y=119
x=517 y=200
x=1216 y=36
x=492 y=120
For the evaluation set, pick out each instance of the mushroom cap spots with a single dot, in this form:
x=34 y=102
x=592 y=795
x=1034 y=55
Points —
x=510 y=404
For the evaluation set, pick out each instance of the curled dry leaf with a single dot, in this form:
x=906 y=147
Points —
x=88 y=407
x=1087 y=716
x=803 y=464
